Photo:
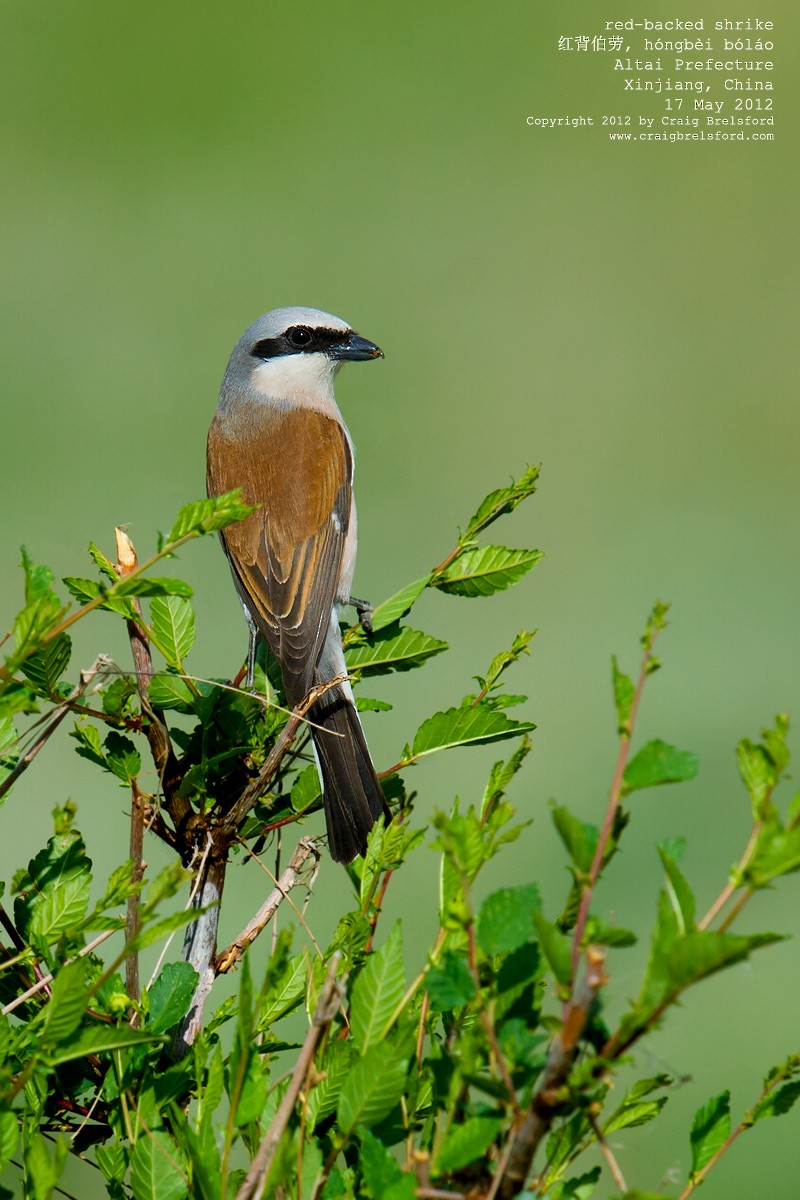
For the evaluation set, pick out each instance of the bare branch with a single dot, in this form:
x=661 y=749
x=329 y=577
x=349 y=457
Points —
x=241 y=807
x=52 y=725
x=548 y=1095
x=297 y=872
x=329 y=1001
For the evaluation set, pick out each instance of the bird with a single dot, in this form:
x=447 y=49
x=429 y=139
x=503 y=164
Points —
x=279 y=436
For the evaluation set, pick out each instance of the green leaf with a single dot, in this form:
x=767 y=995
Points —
x=380 y=1169
x=55 y=889
x=710 y=1130
x=555 y=947
x=334 y=1067
x=148 y=586
x=162 y=929
x=396 y=607
x=122 y=757
x=630 y=1115
x=579 y=838
x=779 y=1102
x=306 y=789
x=166 y=691
x=67 y=1004
x=761 y=765
x=679 y=892
x=582 y=1187
x=48 y=664
x=624 y=692
x=173 y=627
x=501 y=775
x=506 y=921
x=366 y=704
x=208 y=516
x=450 y=984
x=390 y=650
x=9 y=739
x=466 y=1143
x=503 y=500
x=103 y=562
x=87 y=590
x=658 y=763
x=377 y=992
x=101 y=1039
x=373 y=1086
x=155 y=1170
x=484 y=570
x=468 y=725
x=286 y=991
x=170 y=995
x=9 y=1137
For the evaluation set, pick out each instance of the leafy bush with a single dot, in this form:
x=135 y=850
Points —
x=493 y=1062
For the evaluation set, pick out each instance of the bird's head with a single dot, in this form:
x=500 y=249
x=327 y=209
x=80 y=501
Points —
x=294 y=351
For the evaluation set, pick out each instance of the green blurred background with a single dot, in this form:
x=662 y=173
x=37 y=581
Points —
x=621 y=314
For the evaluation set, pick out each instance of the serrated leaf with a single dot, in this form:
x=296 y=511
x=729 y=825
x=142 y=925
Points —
x=501 y=775
x=155 y=1170
x=506 y=921
x=484 y=570
x=680 y=894
x=555 y=947
x=101 y=1039
x=286 y=992
x=658 y=763
x=122 y=757
x=710 y=1130
x=334 y=1067
x=56 y=888
x=170 y=995
x=466 y=1143
x=634 y=1113
x=208 y=516
x=66 y=1005
x=450 y=984
x=469 y=724
x=377 y=992
x=580 y=839
x=9 y=1137
x=147 y=586
x=166 y=691
x=306 y=789
x=502 y=500
x=173 y=627
x=390 y=650
x=48 y=664
x=398 y=605
x=373 y=1086
x=87 y=590
x=366 y=704
x=624 y=692
x=779 y=1102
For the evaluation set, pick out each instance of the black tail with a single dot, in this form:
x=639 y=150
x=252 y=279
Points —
x=351 y=791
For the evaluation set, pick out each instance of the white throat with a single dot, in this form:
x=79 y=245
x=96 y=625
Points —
x=297 y=378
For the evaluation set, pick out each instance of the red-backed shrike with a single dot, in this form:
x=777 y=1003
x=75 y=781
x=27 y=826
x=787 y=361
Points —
x=279 y=436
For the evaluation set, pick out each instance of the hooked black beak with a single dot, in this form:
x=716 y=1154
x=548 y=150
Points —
x=353 y=348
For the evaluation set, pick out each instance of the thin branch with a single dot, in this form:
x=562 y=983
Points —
x=615 y=796
x=731 y=887
x=297 y=872
x=48 y=979
x=52 y=725
x=254 y=790
x=608 y=1155
x=329 y=1001
x=549 y=1090
x=155 y=730
x=132 y=919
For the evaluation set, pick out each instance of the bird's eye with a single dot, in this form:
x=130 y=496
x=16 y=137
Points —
x=299 y=336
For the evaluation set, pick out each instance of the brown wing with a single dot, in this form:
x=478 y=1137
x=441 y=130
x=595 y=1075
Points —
x=286 y=556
